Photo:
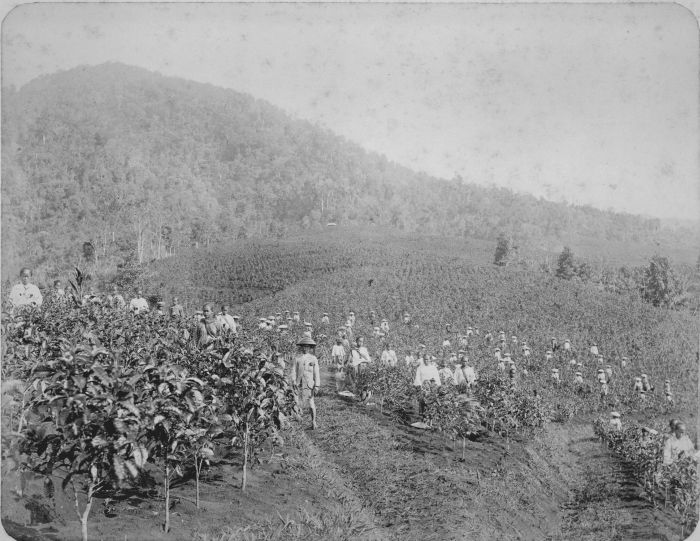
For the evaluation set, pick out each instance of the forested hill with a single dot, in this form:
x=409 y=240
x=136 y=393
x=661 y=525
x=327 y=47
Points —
x=143 y=165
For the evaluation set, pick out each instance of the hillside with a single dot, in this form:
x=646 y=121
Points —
x=530 y=466
x=142 y=166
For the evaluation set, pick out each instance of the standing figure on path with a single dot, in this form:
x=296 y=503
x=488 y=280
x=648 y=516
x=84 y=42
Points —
x=138 y=305
x=25 y=293
x=306 y=376
x=209 y=328
x=338 y=357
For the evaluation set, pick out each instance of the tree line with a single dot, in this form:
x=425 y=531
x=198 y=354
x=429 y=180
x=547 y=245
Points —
x=126 y=164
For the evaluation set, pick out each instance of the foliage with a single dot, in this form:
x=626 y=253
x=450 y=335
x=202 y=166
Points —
x=566 y=265
x=674 y=484
x=108 y=391
x=662 y=287
x=504 y=250
x=138 y=164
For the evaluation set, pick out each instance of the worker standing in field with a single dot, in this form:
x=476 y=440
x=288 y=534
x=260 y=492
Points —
x=388 y=357
x=138 y=305
x=678 y=445
x=25 y=293
x=615 y=422
x=306 y=376
x=176 y=310
x=209 y=329
x=58 y=290
x=446 y=374
x=425 y=373
x=338 y=357
x=115 y=300
x=226 y=319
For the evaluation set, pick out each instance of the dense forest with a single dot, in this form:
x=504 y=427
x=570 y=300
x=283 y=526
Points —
x=118 y=164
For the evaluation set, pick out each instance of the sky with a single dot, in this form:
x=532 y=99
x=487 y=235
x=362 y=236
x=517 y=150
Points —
x=585 y=103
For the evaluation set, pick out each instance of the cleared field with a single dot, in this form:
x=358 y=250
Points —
x=365 y=473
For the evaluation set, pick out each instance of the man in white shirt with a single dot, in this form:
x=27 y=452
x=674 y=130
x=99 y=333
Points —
x=58 y=290
x=459 y=378
x=469 y=374
x=115 y=300
x=388 y=357
x=615 y=422
x=25 y=293
x=308 y=332
x=427 y=372
x=678 y=445
x=306 y=377
x=338 y=353
x=410 y=360
x=226 y=319
x=384 y=326
x=446 y=375
x=360 y=354
x=138 y=305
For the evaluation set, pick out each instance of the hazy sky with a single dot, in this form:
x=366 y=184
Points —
x=594 y=104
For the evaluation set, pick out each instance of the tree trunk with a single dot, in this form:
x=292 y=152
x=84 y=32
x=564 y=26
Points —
x=245 y=457
x=464 y=441
x=197 y=468
x=83 y=517
x=166 y=526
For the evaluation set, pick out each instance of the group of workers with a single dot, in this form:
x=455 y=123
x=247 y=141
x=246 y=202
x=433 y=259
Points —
x=350 y=356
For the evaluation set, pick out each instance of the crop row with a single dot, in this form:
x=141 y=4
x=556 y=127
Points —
x=101 y=400
x=674 y=484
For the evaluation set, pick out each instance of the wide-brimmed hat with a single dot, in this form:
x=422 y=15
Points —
x=306 y=341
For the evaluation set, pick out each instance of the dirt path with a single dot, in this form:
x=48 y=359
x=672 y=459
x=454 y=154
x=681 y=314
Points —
x=562 y=485
x=417 y=486
x=605 y=502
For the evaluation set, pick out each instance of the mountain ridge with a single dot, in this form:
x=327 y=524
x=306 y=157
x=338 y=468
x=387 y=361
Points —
x=146 y=164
